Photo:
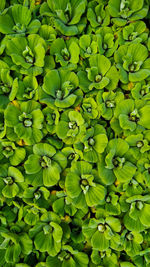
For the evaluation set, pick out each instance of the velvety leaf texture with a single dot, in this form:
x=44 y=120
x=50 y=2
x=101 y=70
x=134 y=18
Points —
x=74 y=133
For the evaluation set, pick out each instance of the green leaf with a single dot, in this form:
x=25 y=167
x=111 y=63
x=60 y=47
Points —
x=61 y=159
x=62 y=125
x=139 y=52
x=113 y=77
x=39 y=55
x=57 y=46
x=34 y=41
x=34 y=26
x=20 y=61
x=133 y=225
x=107 y=176
x=6 y=24
x=83 y=81
x=21 y=14
x=29 y=106
x=126 y=124
x=44 y=149
x=53 y=261
x=10 y=191
x=14 y=90
x=144 y=117
x=16 y=45
x=101 y=141
x=119 y=145
x=126 y=172
x=139 y=75
x=58 y=206
x=51 y=82
x=85 y=41
x=18 y=156
x=2 y=5
x=78 y=10
x=57 y=232
x=74 y=51
x=38 y=118
x=12 y=115
x=81 y=167
x=90 y=156
x=124 y=107
x=92 y=18
x=102 y=62
x=30 y=218
x=76 y=116
x=95 y=194
x=25 y=243
x=43 y=242
x=51 y=175
x=82 y=259
x=24 y=133
x=144 y=218
x=65 y=30
x=114 y=223
x=114 y=7
x=67 y=102
x=16 y=174
x=72 y=185
x=99 y=241
x=12 y=253
x=32 y=165
x=35 y=180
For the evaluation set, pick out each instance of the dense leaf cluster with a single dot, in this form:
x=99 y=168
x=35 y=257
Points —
x=74 y=133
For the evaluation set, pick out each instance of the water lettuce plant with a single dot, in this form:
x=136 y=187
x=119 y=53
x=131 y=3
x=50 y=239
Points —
x=133 y=63
x=47 y=162
x=28 y=53
x=82 y=185
x=66 y=53
x=25 y=120
x=65 y=16
x=123 y=11
x=18 y=21
x=61 y=88
x=93 y=143
x=100 y=74
x=11 y=181
x=73 y=126
x=74 y=133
